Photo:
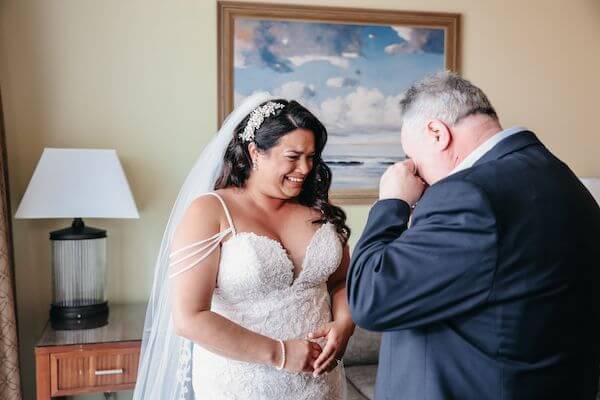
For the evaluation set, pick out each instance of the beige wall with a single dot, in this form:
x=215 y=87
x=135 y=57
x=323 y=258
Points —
x=140 y=77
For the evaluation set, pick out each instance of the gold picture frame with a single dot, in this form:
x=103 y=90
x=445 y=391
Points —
x=411 y=27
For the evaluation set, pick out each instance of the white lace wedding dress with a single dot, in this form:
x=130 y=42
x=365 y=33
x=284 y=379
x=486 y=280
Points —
x=256 y=288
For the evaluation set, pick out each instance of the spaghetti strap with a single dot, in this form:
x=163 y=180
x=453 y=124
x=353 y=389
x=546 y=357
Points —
x=227 y=213
x=196 y=254
x=189 y=256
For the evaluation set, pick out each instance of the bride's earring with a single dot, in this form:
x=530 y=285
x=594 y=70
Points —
x=254 y=165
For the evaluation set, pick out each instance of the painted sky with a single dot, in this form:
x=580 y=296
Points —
x=350 y=76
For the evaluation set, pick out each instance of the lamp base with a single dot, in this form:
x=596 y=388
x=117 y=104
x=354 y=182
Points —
x=79 y=317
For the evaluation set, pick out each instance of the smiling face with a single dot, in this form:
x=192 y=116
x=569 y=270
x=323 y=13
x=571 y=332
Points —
x=281 y=170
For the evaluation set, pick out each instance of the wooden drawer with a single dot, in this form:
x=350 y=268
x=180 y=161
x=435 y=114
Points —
x=94 y=370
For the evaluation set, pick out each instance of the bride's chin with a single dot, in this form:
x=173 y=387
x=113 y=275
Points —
x=291 y=191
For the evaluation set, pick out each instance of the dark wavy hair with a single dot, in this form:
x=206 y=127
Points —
x=315 y=191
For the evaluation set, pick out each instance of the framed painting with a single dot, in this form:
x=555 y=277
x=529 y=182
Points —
x=348 y=66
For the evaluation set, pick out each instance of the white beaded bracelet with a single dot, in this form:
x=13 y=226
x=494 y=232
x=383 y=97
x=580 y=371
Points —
x=280 y=366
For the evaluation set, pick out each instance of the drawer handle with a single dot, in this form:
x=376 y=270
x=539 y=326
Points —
x=103 y=372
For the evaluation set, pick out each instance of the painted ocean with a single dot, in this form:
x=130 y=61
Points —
x=360 y=166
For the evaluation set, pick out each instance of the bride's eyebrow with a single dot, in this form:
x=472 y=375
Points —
x=297 y=153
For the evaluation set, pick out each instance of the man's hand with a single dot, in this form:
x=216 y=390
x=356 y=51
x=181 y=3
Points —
x=400 y=181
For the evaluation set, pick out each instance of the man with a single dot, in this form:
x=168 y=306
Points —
x=492 y=292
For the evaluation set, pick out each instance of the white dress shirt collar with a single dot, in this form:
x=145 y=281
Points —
x=486 y=146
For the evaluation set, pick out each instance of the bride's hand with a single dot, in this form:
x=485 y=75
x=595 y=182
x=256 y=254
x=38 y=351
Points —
x=300 y=355
x=337 y=334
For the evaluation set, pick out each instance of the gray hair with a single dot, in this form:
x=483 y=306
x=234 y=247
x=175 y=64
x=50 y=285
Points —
x=444 y=96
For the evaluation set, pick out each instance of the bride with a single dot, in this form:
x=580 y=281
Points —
x=249 y=296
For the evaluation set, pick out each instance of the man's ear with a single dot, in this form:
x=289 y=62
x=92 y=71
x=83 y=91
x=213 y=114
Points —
x=439 y=133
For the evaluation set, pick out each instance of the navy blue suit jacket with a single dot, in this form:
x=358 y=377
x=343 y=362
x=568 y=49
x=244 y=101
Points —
x=493 y=292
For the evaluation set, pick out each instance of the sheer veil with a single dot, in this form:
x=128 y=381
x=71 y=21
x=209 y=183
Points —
x=164 y=371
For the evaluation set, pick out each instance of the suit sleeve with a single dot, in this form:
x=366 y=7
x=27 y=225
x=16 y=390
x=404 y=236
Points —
x=442 y=266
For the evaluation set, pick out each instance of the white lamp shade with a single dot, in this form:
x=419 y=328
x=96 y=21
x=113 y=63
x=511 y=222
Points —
x=593 y=185
x=78 y=183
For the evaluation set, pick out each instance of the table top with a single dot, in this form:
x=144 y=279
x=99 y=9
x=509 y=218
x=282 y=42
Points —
x=125 y=323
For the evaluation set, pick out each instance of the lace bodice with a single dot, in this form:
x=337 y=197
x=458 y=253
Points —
x=267 y=267
x=256 y=288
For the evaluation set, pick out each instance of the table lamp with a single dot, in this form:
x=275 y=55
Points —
x=78 y=183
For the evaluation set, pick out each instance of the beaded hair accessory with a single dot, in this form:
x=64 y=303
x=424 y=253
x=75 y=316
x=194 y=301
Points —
x=257 y=117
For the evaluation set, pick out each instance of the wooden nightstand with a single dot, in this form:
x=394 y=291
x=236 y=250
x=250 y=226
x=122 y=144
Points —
x=97 y=360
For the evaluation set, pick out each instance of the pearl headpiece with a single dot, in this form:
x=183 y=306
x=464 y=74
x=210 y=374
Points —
x=257 y=117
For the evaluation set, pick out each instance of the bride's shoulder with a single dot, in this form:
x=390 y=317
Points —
x=206 y=209
x=201 y=220
x=204 y=203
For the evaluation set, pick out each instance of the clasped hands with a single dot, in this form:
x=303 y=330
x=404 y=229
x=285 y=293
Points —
x=309 y=357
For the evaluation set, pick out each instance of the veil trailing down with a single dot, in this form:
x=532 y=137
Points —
x=172 y=366
x=164 y=372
